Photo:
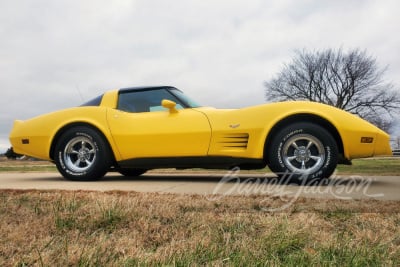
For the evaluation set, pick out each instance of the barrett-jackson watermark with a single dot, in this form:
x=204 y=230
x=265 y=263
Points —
x=277 y=187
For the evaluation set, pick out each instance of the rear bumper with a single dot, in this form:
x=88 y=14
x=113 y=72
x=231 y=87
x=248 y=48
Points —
x=28 y=143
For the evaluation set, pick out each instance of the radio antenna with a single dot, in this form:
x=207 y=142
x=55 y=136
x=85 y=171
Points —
x=79 y=92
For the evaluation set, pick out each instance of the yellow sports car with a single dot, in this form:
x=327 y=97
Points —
x=133 y=130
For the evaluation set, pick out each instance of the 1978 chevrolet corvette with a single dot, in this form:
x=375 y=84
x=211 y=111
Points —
x=133 y=130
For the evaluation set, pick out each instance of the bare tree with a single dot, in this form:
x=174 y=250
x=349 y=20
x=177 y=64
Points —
x=350 y=81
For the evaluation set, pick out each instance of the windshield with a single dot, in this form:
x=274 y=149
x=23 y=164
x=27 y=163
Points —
x=184 y=98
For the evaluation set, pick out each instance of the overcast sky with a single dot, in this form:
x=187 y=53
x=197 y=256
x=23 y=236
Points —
x=56 y=54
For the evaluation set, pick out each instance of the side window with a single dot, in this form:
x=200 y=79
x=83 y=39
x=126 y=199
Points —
x=145 y=101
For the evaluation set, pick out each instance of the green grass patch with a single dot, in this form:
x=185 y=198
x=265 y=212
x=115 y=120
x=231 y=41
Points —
x=373 y=166
x=28 y=169
x=26 y=166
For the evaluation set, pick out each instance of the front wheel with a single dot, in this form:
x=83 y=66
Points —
x=82 y=154
x=303 y=151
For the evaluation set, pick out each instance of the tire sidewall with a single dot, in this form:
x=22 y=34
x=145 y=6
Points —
x=101 y=163
x=277 y=163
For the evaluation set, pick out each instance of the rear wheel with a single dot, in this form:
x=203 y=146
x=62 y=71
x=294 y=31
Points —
x=303 y=151
x=82 y=154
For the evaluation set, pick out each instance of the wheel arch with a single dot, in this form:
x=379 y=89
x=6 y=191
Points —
x=305 y=117
x=68 y=126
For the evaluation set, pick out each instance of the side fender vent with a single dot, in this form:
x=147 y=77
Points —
x=236 y=140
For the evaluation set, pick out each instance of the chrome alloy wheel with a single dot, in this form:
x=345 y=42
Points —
x=79 y=154
x=303 y=153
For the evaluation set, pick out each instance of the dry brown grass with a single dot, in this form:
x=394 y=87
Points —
x=59 y=228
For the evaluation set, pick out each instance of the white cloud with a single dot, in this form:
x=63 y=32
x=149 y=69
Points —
x=4 y=145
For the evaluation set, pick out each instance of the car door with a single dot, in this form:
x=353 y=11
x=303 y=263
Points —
x=142 y=128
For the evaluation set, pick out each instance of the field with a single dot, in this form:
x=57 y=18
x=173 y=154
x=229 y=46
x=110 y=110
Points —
x=56 y=228
x=372 y=166
x=63 y=228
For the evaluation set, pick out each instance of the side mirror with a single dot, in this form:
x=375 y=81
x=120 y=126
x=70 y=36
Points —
x=169 y=105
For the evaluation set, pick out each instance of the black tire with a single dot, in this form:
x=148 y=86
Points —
x=131 y=172
x=303 y=152
x=82 y=154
